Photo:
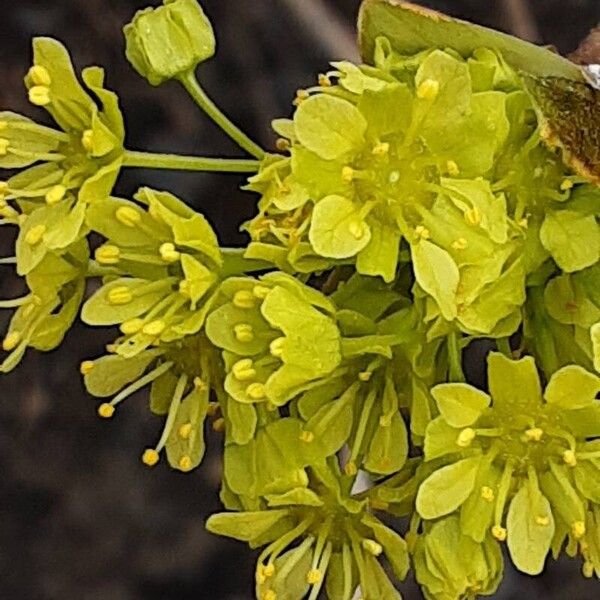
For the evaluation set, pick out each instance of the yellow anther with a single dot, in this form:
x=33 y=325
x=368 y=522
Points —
x=314 y=576
x=282 y=144
x=4 y=188
x=200 y=384
x=154 y=328
x=39 y=95
x=365 y=376
x=381 y=149
x=542 y=521
x=87 y=140
x=324 y=80
x=588 y=569
x=270 y=595
x=132 y=326
x=578 y=529
x=213 y=409
x=473 y=216
x=487 y=493
x=128 y=216
x=219 y=425
x=465 y=437
x=185 y=463
x=150 y=457
x=35 y=235
x=269 y=570
x=394 y=177
x=452 y=168
x=499 y=533
x=185 y=431
x=119 y=295
x=428 y=90
x=277 y=347
x=256 y=391
x=86 y=367
x=378 y=504
x=534 y=434
x=301 y=96
x=538 y=172
x=106 y=411
x=244 y=299
x=570 y=458
x=260 y=291
x=524 y=223
x=357 y=229
x=307 y=437
x=55 y=194
x=350 y=468
x=108 y=255
x=372 y=547
x=4 y=144
x=243 y=370
x=11 y=341
x=39 y=76
x=111 y=348
x=244 y=332
x=168 y=253
x=347 y=174
x=460 y=244
x=422 y=232
x=566 y=185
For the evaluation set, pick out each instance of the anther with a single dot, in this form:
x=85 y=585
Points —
x=86 y=367
x=119 y=295
x=270 y=595
x=39 y=75
x=87 y=140
x=154 y=328
x=314 y=576
x=39 y=95
x=244 y=299
x=276 y=347
x=578 y=529
x=260 y=291
x=244 y=332
x=422 y=232
x=381 y=149
x=365 y=376
x=372 y=547
x=452 y=168
x=256 y=391
x=282 y=144
x=542 y=521
x=269 y=570
x=185 y=431
x=350 y=468
x=219 y=425
x=11 y=341
x=35 y=235
x=55 y=194
x=108 y=255
x=499 y=533
x=534 y=434
x=168 y=253
x=307 y=437
x=243 y=370
x=347 y=174
x=566 y=185
x=487 y=493
x=301 y=96
x=524 y=223
x=465 y=437
x=588 y=569
x=185 y=463
x=150 y=457
x=106 y=410
x=357 y=229
x=428 y=90
x=132 y=326
x=4 y=144
x=460 y=244
x=324 y=80
x=394 y=177
x=473 y=216
x=569 y=458
x=128 y=216
x=213 y=409
x=200 y=384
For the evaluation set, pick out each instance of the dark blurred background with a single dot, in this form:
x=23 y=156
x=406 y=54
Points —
x=80 y=516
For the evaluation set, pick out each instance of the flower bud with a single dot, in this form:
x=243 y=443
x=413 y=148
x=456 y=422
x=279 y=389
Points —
x=168 y=41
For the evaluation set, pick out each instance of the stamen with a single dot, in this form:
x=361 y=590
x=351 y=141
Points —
x=55 y=194
x=106 y=410
x=460 y=244
x=465 y=437
x=35 y=235
x=108 y=255
x=452 y=168
x=119 y=295
x=566 y=185
x=244 y=370
x=422 y=232
x=372 y=547
x=542 y=521
x=282 y=144
x=365 y=376
x=324 y=80
x=185 y=431
x=261 y=291
x=244 y=299
x=244 y=332
x=578 y=529
x=128 y=216
x=86 y=367
x=569 y=458
x=39 y=75
x=499 y=533
x=87 y=140
x=381 y=149
x=534 y=434
x=256 y=391
x=185 y=463
x=154 y=328
x=4 y=144
x=219 y=425
x=132 y=326
x=277 y=346
x=428 y=90
x=39 y=95
x=487 y=493
x=307 y=437
x=301 y=96
x=168 y=253
x=588 y=569
x=357 y=229
x=11 y=341
x=473 y=216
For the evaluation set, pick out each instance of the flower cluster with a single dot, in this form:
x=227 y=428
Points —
x=418 y=202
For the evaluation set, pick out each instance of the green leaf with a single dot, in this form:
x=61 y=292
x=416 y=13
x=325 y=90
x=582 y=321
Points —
x=528 y=540
x=246 y=526
x=388 y=450
x=380 y=255
x=460 y=404
x=243 y=419
x=337 y=228
x=572 y=387
x=440 y=438
x=447 y=488
x=394 y=546
x=587 y=480
x=329 y=126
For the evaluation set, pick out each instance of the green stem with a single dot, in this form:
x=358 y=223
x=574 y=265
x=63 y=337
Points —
x=455 y=358
x=503 y=345
x=190 y=83
x=149 y=160
x=236 y=264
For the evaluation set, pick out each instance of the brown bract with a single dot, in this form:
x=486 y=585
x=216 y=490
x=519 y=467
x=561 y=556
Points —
x=588 y=52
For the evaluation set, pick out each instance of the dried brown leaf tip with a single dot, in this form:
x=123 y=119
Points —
x=588 y=52
x=569 y=113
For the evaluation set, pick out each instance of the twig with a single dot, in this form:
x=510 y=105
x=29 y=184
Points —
x=522 y=21
x=325 y=27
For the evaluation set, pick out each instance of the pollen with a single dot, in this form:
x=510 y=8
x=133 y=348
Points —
x=534 y=434
x=4 y=144
x=499 y=533
x=260 y=291
x=119 y=295
x=570 y=458
x=106 y=411
x=86 y=367
x=350 y=468
x=199 y=383
x=40 y=76
x=542 y=521
x=347 y=174
x=168 y=253
x=35 y=235
x=131 y=327
x=150 y=457
x=11 y=341
x=244 y=333
x=108 y=255
x=127 y=216
x=185 y=463
x=578 y=529
x=487 y=493
x=422 y=232
x=269 y=570
x=154 y=328
x=243 y=370
x=473 y=216
x=185 y=431
x=55 y=194
x=381 y=149
x=428 y=90
x=465 y=437
x=314 y=576
x=460 y=244
x=256 y=391
x=219 y=425
x=566 y=185
x=452 y=168
x=244 y=299
x=307 y=437
x=357 y=229
x=276 y=347
x=39 y=95
x=324 y=80
x=372 y=547
x=87 y=140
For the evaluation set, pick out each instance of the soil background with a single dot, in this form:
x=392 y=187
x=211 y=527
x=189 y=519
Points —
x=80 y=517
